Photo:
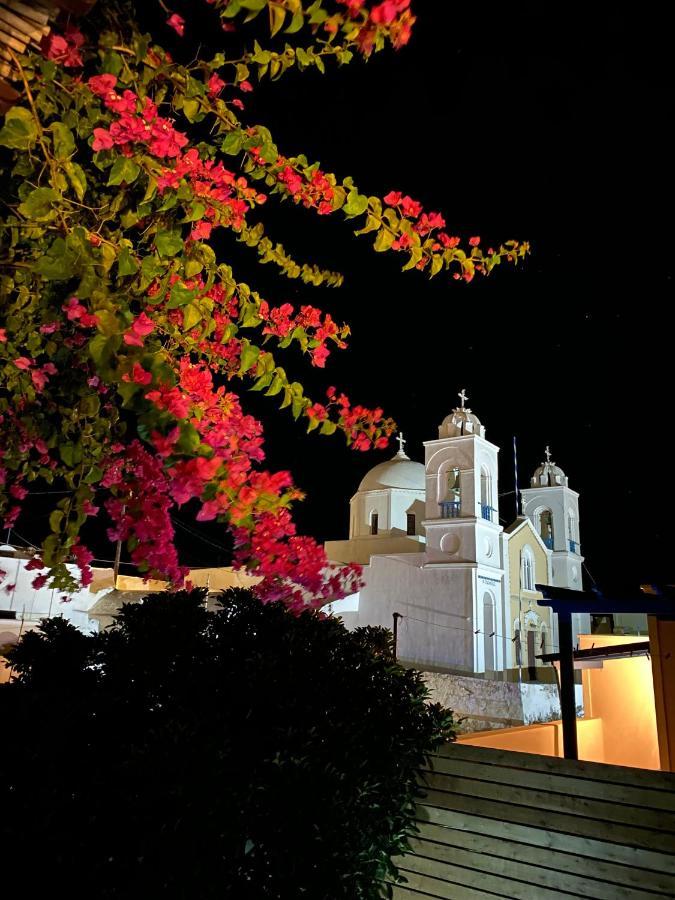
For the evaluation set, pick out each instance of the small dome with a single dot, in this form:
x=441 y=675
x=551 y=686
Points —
x=548 y=474
x=399 y=472
x=461 y=421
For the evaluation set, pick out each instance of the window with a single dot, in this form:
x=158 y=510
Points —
x=410 y=523
x=374 y=522
x=531 y=655
x=527 y=570
x=546 y=527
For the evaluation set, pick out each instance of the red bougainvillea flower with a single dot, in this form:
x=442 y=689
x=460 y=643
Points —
x=245 y=86
x=140 y=329
x=3 y=335
x=177 y=23
x=23 y=363
x=474 y=241
x=64 y=48
x=215 y=85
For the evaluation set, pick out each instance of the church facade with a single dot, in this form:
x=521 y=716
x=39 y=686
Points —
x=436 y=554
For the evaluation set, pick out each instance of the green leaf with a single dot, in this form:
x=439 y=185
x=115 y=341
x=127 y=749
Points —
x=124 y=170
x=19 y=131
x=126 y=263
x=70 y=453
x=192 y=316
x=180 y=296
x=90 y=405
x=415 y=257
x=372 y=224
x=277 y=18
x=168 y=243
x=192 y=267
x=58 y=263
x=302 y=57
x=275 y=387
x=249 y=355
x=77 y=179
x=262 y=382
x=328 y=427
x=38 y=204
x=55 y=519
x=384 y=240
x=64 y=143
x=296 y=22
x=94 y=475
x=436 y=266
x=232 y=143
x=356 y=204
x=191 y=110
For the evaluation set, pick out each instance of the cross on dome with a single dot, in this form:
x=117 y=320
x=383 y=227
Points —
x=463 y=397
x=401 y=443
x=548 y=453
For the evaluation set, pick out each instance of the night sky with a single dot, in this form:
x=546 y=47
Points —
x=513 y=124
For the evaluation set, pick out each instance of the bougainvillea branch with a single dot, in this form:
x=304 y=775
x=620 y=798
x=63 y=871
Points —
x=125 y=341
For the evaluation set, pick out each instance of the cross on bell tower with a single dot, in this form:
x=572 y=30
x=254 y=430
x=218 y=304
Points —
x=548 y=454
x=463 y=396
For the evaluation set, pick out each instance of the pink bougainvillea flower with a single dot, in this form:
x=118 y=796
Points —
x=102 y=85
x=245 y=86
x=237 y=102
x=103 y=140
x=201 y=231
x=64 y=48
x=393 y=198
x=177 y=23
x=23 y=363
x=3 y=335
x=474 y=241
x=140 y=329
x=215 y=85
x=402 y=242
x=410 y=207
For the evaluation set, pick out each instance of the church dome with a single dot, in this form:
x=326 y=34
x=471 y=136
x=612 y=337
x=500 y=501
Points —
x=461 y=421
x=548 y=474
x=399 y=472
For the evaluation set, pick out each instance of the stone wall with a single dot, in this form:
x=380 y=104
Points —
x=484 y=704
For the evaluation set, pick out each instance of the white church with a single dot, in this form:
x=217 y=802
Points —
x=435 y=554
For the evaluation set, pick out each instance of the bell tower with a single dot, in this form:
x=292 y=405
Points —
x=462 y=525
x=553 y=508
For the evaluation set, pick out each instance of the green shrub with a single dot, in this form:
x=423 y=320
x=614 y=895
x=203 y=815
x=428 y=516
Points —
x=242 y=753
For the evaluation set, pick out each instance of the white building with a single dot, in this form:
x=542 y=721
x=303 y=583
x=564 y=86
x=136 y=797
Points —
x=463 y=586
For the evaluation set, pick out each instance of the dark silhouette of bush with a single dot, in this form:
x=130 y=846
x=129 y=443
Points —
x=246 y=753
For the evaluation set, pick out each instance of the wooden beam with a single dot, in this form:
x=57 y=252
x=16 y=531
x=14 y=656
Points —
x=568 y=703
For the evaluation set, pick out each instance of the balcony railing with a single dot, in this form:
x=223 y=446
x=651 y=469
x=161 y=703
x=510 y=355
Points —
x=486 y=511
x=449 y=509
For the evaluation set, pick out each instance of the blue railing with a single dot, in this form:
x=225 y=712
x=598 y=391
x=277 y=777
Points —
x=486 y=511
x=549 y=542
x=449 y=509
x=573 y=546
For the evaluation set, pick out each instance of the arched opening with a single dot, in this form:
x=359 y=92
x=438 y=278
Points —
x=374 y=522
x=527 y=569
x=451 y=500
x=489 y=632
x=545 y=527
x=485 y=493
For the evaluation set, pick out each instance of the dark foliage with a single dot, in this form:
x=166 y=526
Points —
x=242 y=753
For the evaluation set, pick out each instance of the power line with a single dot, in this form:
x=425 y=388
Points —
x=474 y=631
